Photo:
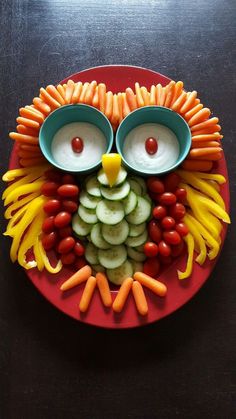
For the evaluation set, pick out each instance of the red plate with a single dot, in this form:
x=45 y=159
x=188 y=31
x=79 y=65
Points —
x=117 y=78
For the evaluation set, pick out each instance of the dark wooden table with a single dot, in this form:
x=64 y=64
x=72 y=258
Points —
x=183 y=366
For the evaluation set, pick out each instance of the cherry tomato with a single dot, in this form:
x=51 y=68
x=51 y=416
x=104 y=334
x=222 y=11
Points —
x=48 y=224
x=154 y=231
x=171 y=182
x=165 y=260
x=167 y=198
x=181 y=194
x=79 y=249
x=68 y=258
x=150 y=249
x=62 y=219
x=52 y=206
x=151 y=267
x=177 y=211
x=49 y=188
x=151 y=145
x=155 y=185
x=154 y=196
x=177 y=249
x=159 y=212
x=53 y=175
x=69 y=206
x=182 y=229
x=68 y=190
x=68 y=179
x=49 y=240
x=66 y=245
x=81 y=261
x=167 y=223
x=172 y=237
x=77 y=144
x=65 y=231
x=164 y=248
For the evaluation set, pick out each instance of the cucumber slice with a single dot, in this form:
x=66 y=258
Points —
x=117 y=193
x=110 y=212
x=137 y=266
x=141 y=182
x=116 y=234
x=130 y=202
x=136 y=241
x=136 y=230
x=93 y=187
x=119 y=274
x=87 y=215
x=113 y=257
x=98 y=268
x=147 y=197
x=79 y=226
x=135 y=255
x=91 y=254
x=88 y=201
x=120 y=178
x=140 y=213
x=134 y=185
x=96 y=237
x=140 y=248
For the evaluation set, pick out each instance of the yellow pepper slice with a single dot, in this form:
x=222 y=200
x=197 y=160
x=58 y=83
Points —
x=20 y=203
x=189 y=221
x=22 y=181
x=210 y=241
x=38 y=255
x=111 y=165
x=189 y=267
x=23 y=171
x=213 y=207
x=12 y=224
x=212 y=176
x=23 y=190
x=46 y=262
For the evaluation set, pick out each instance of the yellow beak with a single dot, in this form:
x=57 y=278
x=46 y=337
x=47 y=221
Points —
x=111 y=165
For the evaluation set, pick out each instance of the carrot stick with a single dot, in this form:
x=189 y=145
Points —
x=104 y=289
x=190 y=102
x=31 y=148
x=155 y=286
x=139 y=97
x=83 y=92
x=193 y=111
x=87 y=294
x=61 y=90
x=120 y=105
x=131 y=99
x=145 y=95
x=202 y=144
x=115 y=111
x=41 y=106
x=122 y=295
x=69 y=90
x=109 y=104
x=25 y=154
x=32 y=108
x=76 y=92
x=95 y=98
x=169 y=95
x=125 y=106
x=162 y=96
x=90 y=92
x=77 y=278
x=207 y=137
x=210 y=130
x=52 y=91
x=32 y=161
x=30 y=114
x=22 y=129
x=197 y=165
x=158 y=93
x=179 y=102
x=102 y=96
x=200 y=116
x=139 y=298
x=177 y=92
x=214 y=156
x=153 y=95
x=28 y=139
x=204 y=151
x=28 y=122
x=205 y=124
x=54 y=104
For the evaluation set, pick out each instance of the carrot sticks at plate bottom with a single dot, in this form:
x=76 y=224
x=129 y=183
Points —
x=155 y=286
x=122 y=295
x=80 y=276
x=104 y=289
x=139 y=298
x=87 y=294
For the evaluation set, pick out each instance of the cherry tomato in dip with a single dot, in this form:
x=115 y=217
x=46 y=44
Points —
x=151 y=267
x=181 y=194
x=150 y=249
x=151 y=145
x=65 y=231
x=48 y=224
x=171 y=182
x=155 y=185
x=177 y=211
x=68 y=179
x=68 y=258
x=154 y=231
x=182 y=229
x=69 y=206
x=159 y=212
x=68 y=191
x=52 y=206
x=172 y=237
x=81 y=261
x=79 y=249
x=77 y=144
x=177 y=249
x=49 y=188
x=168 y=223
x=164 y=248
x=66 y=245
x=62 y=219
x=49 y=240
x=167 y=198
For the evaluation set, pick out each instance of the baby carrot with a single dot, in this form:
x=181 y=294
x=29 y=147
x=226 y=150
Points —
x=139 y=97
x=25 y=154
x=28 y=122
x=125 y=106
x=204 y=151
x=139 y=298
x=27 y=162
x=95 y=98
x=122 y=295
x=87 y=294
x=169 y=95
x=162 y=96
x=156 y=286
x=188 y=115
x=145 y=95
x=153 y=95
x=61 y=90
x=22 y=138
x=131 y=99
x=109 y=104
x=211 y=156
x=77 y=278
x=35 y=110
x=177 y=91
x=119 y=97
x=54 y=104
x=31 y=114
x=200 y=116
x=179 y=102
x=205 y=124
x=197 y=165
x=90 y=92
x=83 y=92
x=76 y=92
x=22 y=129
x=189 y=103
x=209 y=130
x=115 y=111
x=104 y=289
x=202 y=144
x=207 y=137
x=31 y=148
x=102 y=96
x=41 y=106
x=52 y=91
x=69 y=90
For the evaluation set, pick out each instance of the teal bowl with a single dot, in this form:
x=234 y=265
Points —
x=66 y=115
x=158 y=115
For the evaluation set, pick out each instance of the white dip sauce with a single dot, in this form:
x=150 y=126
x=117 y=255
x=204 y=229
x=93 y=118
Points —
x=94 y=145
x=136 y=155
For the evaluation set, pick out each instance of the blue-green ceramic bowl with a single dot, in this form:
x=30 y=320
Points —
x=73 y=113
x=159 y=115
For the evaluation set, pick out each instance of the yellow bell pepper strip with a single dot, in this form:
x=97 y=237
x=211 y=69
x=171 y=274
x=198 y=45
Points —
x=211 y=176
x=197 y=237
x=210 y=241
x=204 y=186
x=46 y=262
x=213 y=207
x=23 y=190
x=32 y=210
x=12 y=224
x=111 y=165
x=23 y=171
x=20 y=203
x=189 y=267
x=38 y=255
x=215 y=185
x=22 y=181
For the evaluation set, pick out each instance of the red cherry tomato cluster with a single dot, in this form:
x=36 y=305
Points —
x=166 y=229
x=63 y=193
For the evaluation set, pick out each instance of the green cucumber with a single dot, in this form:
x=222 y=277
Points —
x=110 y=212
x=141 y=213
x=88 y=215
x=113 y=257
x=119 y=274
x=135 y=186
x=137 y=241
x=102 y=178
x=130 y=202
x=137 y=266
x=116 y=234
x=135 y=255
x=141 y=182
x=79 y=226
x=91 y=254
x=88 y=201
x=93 y=187
x=136 y=230
x=117 y=193
x=98 y=268
x=96 y=237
